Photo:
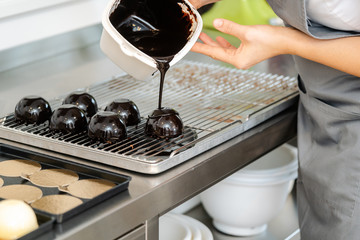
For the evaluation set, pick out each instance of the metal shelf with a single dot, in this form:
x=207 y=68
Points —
x=284 y=226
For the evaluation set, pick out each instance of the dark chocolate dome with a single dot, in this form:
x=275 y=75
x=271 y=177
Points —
x=68 y=118
x=164 y=123
x=84 y=101
x=127 y=110
x=107 y=126
x=33 y=109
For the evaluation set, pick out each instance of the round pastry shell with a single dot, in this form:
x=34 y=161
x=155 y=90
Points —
x=53 y=177
x=56 y=204
x=26 y=193
x=88 y=188
x=18 y=167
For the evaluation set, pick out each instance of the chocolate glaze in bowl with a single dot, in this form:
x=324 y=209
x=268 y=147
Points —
x=107 y=126
x=33 y=109
x=156 y=27
x=127 y=110
x=84 y=101
x=68 y=118
x=164 y=123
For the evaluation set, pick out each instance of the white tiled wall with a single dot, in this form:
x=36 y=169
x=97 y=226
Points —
x=25 y=21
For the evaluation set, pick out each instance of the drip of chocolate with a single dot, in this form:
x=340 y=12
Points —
x=160 y=29
x=163 y=66
x=156 y=27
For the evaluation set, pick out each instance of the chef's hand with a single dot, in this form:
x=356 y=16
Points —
x=258 y=43
x=199 y=3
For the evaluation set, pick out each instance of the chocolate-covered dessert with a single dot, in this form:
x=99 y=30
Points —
x=164 y=123
x=127 y=110
x=107 y=126
x=84 y=101
x=68 y=118
x=33 y=109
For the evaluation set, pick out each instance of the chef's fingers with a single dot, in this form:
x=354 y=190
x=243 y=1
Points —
x=199 y=3
x=229 y=27
x=224 y=43
x=208 y=40
x=217 y=53
x=220 y=41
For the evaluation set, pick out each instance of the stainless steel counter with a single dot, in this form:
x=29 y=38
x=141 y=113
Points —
x=136 y=211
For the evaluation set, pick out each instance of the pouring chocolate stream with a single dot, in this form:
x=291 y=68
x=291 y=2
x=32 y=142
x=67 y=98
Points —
x=160 y=29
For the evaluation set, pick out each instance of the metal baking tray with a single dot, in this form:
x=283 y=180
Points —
x=85 y=172
x=46 y=223
x=216 y=104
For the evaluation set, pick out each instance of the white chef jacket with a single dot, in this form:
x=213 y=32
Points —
x=337 y=14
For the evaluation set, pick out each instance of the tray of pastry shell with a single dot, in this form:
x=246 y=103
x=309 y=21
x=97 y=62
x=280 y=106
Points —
x=53 y=186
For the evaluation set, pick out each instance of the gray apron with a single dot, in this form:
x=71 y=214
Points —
x=328 y=185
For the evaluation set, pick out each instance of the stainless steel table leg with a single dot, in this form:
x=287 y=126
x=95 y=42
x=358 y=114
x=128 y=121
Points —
x=152 y=229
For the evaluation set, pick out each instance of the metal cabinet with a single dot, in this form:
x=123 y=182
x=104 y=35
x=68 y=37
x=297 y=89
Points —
x=137 y=234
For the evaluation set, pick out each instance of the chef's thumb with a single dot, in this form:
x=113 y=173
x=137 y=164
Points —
x=228 y=27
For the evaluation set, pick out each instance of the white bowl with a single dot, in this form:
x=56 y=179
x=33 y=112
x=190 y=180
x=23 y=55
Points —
x=244 y=203
x=172 y=228
x=132 y=60
x=198 y=230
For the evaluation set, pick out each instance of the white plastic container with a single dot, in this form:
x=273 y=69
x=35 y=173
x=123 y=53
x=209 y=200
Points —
x=172 y=228
x=129 y=58
x=244 y=203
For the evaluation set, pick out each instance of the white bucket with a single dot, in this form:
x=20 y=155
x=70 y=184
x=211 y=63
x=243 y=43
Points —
x=244 y=203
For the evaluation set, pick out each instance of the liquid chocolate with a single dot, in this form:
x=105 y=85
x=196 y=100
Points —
x=163 y=66
x=160 y=29
x=156 y=27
